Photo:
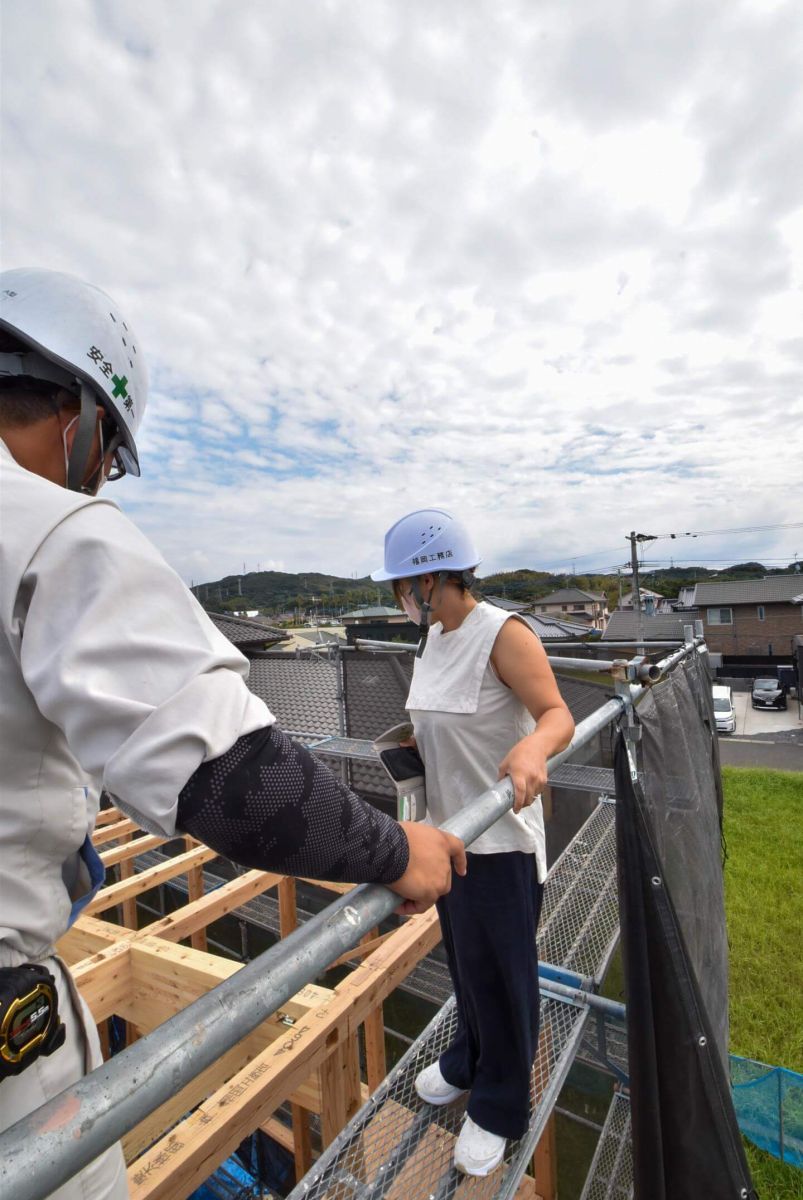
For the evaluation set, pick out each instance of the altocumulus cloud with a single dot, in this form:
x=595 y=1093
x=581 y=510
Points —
x=540 y=263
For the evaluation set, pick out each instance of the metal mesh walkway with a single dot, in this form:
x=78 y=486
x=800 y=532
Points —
x=611 y=1174
x=401 y=1148
x=579 y=925
x=580 y=918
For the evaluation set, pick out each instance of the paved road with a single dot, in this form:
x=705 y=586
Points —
x=764 y=723
x=763 y=738
x=756 y=752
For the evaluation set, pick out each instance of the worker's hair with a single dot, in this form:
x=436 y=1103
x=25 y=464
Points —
x=25 y=401
x=460 y=578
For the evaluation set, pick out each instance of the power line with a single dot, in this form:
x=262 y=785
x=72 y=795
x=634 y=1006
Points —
x=744 y=529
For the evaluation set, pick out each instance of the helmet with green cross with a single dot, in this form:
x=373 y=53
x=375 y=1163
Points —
x=72 y=334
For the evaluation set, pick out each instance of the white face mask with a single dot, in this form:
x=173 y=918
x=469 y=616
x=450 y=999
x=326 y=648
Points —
x=411 y=608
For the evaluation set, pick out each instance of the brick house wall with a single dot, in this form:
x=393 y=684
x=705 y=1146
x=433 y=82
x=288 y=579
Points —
x=749 y=634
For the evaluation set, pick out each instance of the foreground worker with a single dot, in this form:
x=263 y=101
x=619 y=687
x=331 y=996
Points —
x=113 y=677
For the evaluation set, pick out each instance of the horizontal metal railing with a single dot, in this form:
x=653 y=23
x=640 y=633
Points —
x=71 y=1129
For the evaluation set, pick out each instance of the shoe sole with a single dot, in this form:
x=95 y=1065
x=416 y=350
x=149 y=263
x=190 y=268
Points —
x=439 y=1101
x=482 y=1172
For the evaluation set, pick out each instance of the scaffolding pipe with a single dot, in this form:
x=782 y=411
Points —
x=646 y=672
x=582 y=998
x=74 y=1127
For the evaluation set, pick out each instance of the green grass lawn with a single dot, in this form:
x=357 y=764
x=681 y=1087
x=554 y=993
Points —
x=763 y=873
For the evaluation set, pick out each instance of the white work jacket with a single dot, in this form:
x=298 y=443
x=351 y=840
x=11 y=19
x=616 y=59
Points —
x=111 y=676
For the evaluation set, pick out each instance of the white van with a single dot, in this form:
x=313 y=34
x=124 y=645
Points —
x=723 y=709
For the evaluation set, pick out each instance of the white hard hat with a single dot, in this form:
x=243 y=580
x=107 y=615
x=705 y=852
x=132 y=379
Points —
x=426 y=540
x=79 y=340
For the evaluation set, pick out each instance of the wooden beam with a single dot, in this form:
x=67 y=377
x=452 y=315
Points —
x=104 y=979
x=365 y=947
x=115 y=893
x=87 y=936
x=130 y=849
x=374 y=1024
x=340 y=1088
x=195 y=891
x=340 y=888
x=288 y=911
x=113 y=831
x=301 y=1148
x=283 y=1135
x=213 y=905
x=107 y=816
x=545 y=1162
x=182 y=1159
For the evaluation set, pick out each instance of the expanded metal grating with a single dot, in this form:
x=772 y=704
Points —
x=344 y=747
x=610 y=1176
x=604 y=1046
x=399 y=1147
x=583 y=778
x=580 y=918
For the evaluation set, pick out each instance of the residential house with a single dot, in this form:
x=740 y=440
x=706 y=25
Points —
x=248 y=635
x=379 y=623
x=377 y=612
x=574 y=604
x=651 y=602
x=751 y=617
x=623 y=626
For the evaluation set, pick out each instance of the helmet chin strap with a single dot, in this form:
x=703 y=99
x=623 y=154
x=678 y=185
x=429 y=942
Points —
x=425 y=607
x=77 y=460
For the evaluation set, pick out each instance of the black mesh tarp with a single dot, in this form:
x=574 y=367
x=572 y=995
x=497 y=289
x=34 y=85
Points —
x=686 y=1141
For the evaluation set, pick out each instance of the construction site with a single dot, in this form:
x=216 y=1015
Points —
x=215 y=1050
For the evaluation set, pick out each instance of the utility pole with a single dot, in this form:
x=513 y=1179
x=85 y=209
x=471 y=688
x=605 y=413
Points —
x=634 y=539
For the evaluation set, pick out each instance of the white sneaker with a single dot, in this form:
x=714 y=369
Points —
x=477 y=1151
x=432 y=1087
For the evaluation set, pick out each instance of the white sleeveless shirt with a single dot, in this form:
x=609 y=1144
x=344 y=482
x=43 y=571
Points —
x=466 y=720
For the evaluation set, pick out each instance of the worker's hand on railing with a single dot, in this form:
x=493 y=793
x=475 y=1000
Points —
x=526 y=764
x=429 y=870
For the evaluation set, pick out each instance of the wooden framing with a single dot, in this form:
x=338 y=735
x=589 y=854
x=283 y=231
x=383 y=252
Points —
x=307 y=1054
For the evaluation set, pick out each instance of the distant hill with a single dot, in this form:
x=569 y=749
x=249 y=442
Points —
x=275 y=592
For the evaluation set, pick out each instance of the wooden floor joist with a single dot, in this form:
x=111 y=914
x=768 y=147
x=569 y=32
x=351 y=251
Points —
x=307 y=1055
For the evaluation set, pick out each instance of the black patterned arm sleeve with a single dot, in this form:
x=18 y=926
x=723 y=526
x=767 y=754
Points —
x=268 y=803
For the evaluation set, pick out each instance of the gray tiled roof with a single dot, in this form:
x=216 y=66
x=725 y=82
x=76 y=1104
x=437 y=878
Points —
x=553 y=629
x=570 y=595
x=301 y=692
x=377 y=610
x=776 y=589
x=508 y=605
x=244 y=632
x=623 y=624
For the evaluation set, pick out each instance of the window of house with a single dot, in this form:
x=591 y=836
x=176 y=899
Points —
x=760 y=611
x=720 y=616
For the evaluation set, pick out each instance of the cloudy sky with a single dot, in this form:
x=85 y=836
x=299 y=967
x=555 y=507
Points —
x=539 y=263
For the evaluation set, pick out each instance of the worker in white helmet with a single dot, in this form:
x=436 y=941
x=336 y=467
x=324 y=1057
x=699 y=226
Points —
x=484 y=704
x=112 y=677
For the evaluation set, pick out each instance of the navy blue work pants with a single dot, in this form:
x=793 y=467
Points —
x=489 y=921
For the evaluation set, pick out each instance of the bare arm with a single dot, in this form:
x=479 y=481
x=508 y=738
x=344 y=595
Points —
x=520 y=662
